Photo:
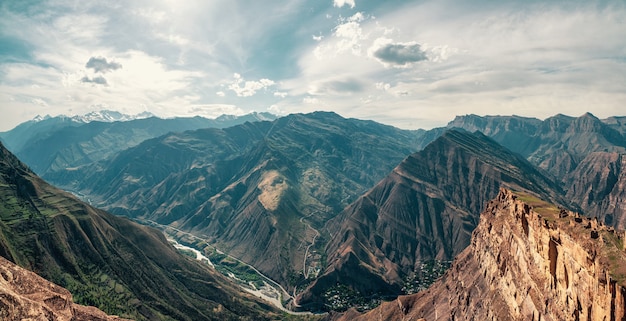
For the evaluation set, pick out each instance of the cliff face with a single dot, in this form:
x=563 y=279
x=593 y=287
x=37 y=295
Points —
x=528 y=260
x=26 y=296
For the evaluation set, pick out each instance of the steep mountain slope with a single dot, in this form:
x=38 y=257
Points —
x=56 y=146
x=25 y=295
x=618 y=123
x=599 y=185
x=582 y=153
x=528 y=260
x=107 y=261
x=425 y=209
x=557 y=144
x=260 y=191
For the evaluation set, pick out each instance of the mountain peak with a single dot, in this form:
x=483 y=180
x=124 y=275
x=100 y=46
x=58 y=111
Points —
x=109 y=116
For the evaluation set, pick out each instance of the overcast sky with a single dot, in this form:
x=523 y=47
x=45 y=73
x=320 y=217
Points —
x=411 y=64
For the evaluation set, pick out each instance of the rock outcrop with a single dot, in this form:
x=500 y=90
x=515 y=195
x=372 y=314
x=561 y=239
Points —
x=25 y=295
x=528 y=260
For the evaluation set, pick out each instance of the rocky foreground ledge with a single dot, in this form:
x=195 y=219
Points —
x=528 y=260
x=25 y=295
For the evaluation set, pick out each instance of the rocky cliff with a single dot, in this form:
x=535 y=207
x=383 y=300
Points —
x=25 y=295
x=528 y=260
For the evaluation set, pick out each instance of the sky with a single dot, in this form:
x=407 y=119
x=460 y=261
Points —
x=410 y=64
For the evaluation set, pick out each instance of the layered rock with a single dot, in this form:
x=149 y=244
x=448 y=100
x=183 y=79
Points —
x=528 y=260
x=26 y=296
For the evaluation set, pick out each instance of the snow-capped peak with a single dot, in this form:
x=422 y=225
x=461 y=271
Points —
x=39 y=118
x=109 y=116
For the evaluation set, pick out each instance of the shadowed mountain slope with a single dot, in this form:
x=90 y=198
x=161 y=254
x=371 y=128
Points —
x=425 y=209
x=107 y=261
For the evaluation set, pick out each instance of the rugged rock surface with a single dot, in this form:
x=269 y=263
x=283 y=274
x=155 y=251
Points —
x=25 y=295
x=528 y=260
x=425 y=209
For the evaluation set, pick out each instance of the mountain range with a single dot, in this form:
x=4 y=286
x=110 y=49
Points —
x=332 y=207
x=260 y=191
x=54 y=145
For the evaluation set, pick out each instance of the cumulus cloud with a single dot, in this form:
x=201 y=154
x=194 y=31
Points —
x=100 y=64
x=249 y=88
x=99 y=80
x=341 y=3
x=400 y=54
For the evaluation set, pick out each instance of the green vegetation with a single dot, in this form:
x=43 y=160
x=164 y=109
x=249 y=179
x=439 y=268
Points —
x=426 y=274
x=548 y=210
x=341 y=297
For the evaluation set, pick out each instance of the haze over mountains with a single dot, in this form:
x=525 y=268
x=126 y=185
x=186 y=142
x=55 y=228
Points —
x=318 y=202
x=51 y=144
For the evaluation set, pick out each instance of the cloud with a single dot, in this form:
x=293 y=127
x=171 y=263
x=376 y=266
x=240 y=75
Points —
x=310 y=100
x=248 y=88
x=220 y=93
x=99 y=80
x=276 y=110
x=341 y=3
x=215 y=110
x=100 y=64
x=280 y=94
x=400 y=54
x=337 y=87
x=39 y=101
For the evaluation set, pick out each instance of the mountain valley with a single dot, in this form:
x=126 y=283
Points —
x=343 y=212
x=106 y=261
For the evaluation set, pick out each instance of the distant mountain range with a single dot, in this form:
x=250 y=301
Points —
x=52 y=144
x=324 y=204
